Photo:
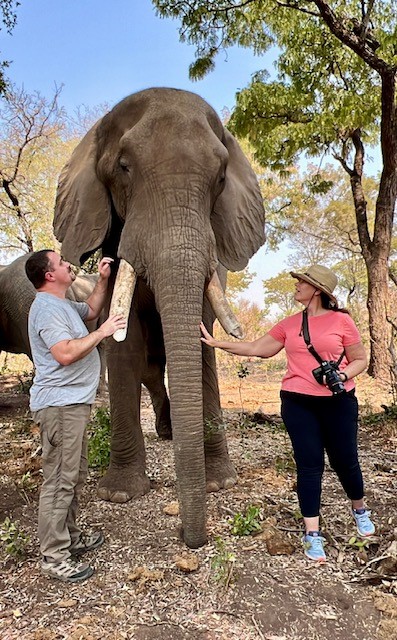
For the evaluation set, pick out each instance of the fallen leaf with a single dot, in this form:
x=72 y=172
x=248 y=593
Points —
x=66 y=604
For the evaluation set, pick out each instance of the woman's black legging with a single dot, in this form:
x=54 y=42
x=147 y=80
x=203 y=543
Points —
x=315 y=424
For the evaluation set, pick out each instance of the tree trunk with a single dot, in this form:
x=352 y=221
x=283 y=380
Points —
x=376 y=252
x=379 y=329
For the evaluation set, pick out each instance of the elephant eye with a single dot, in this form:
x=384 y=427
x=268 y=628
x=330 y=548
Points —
x=124 y=166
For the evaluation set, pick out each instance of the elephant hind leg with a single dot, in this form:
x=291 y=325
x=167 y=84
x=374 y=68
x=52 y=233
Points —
x=153 y=379
x=219 y=469
x=154 y=371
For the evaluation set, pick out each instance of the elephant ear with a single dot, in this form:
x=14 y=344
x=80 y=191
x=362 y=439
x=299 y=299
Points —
x=82 y=207
x=238 y=217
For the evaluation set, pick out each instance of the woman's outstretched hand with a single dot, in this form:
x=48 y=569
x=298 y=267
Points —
x=208 y=339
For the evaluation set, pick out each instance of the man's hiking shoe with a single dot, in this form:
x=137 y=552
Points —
x=365 y=526
x=313 y=544
x=87 y=542
x=67 y=570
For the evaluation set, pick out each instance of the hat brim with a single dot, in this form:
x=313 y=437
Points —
x=314 y=283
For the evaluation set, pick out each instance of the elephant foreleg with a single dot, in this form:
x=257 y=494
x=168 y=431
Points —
x=126 y=477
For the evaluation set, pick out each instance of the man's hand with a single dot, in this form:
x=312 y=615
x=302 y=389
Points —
x=112 y=324
x=97 y=298
x=104 y=269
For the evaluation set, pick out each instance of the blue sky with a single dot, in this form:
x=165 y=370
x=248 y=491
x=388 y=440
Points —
x=102 y=51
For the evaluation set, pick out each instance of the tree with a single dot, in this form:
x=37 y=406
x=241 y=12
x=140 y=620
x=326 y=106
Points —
x=237 y=282
x=7 y=9
x=32 y=153
x=334 y=94
x=279 y=293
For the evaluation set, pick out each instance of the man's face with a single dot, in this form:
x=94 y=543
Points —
x=61 y=270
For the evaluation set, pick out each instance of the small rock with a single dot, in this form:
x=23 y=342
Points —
x=276 y=542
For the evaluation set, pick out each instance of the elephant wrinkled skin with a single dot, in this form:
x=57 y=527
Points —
x=159 y=182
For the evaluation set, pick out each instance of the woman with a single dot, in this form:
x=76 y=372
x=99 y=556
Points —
x=317 y=418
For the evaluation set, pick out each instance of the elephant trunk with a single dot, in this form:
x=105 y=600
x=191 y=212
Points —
x=180 y=305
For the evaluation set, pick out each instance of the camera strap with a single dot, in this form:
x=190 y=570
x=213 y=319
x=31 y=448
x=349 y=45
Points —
x=306 y=337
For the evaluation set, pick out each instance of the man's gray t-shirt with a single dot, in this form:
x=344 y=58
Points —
x=52 y=319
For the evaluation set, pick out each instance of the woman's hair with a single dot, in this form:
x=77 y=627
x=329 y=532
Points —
x=37 y=265
x=329 y=304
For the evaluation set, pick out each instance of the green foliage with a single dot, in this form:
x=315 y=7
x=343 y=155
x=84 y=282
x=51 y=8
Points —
x=242 y=371
x=285 y=464
x=237 y=282
x=223 y=562
x=279 y=293
x=323 y=89
x=245 y=422
x=99 y=442
x=359 y=543
x=13 y=539
x=244 y=524
x=25 y=379
x=91 y=264
x=212 y=427
x=8 y=19
x=28 y=483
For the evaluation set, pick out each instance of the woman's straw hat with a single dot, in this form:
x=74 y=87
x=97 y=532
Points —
x=320 y=277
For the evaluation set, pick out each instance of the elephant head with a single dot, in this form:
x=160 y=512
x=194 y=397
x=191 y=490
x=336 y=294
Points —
x=160 y=183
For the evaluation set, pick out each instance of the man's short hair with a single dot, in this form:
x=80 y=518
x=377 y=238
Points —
x=37 y=265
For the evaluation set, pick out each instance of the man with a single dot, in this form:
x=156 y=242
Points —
x=66 y=378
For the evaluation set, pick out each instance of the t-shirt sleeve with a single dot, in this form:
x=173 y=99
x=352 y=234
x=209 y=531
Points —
x=82 y=308
x=278 y=332
x=351 y=334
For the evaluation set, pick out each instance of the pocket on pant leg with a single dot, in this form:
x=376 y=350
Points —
x=51 y=433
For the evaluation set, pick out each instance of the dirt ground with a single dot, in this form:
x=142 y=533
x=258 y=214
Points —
x=244 y=587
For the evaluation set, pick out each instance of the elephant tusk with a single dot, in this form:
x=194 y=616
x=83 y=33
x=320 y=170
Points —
x=122 y=296
x=221 y=308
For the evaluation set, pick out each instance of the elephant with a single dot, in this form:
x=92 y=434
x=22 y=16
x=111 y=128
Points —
x=160 y=185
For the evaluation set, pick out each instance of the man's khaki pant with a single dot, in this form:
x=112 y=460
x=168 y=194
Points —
x=64 y=459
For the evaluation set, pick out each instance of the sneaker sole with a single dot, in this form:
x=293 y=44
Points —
x=322 y=560
x=72 y=579
x=366 y=535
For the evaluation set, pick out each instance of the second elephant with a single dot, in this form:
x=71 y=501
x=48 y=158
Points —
x=16 y=296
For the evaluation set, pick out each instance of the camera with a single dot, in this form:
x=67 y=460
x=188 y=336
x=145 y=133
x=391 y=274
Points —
x=328 y=370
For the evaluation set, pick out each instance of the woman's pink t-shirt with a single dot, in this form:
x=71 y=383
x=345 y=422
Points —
x=329 y=333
